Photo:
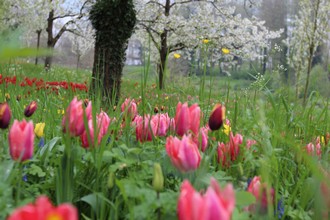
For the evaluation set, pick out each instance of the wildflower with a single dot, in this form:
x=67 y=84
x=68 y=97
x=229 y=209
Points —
x=7 y=96
x=44 y=210
x=5 y=115
x=21 y=138
x=60 y=111
x=206 y=41
x=217 y=117
x=216 y=203
x=184 y=153
x=225 y=50
x=30 y=109
x=39 y=129
x=187 y=118
x=176 y=55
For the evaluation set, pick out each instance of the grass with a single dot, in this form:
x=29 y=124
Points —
x=114 y=180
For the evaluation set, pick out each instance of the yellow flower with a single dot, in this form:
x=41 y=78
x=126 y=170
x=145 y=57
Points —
x=322 y=140
x=226 y=129
x=206 y=41
x=60 y=111
x=225 y=50
x=176 y=55
x=39 y=129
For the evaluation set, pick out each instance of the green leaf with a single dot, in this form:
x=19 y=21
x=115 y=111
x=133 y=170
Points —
x=244 y=198
x=36 y=170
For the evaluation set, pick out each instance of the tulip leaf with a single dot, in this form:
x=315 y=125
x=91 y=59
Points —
x=50 y=145
x=244 y=198
x=36 y=170
x=240 y=215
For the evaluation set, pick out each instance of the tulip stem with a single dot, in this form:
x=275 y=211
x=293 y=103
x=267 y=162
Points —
x=158 y=209
x=19 y=183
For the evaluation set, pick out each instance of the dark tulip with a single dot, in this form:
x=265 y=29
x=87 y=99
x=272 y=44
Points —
x=30 y=109
x=5 y=115
x=217 y=117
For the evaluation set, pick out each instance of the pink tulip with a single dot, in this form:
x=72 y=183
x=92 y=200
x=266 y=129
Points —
x=74 y=117
x=21 y=138
x=202 y=139
x=312 y=149
x=184 y=153
x=145 y=128
x=162 y=122
x=234 y=145
x=102 y=123
x=249 y=143
x=218 y=204
x=5 y=115
x=129 y=107
x=259 y=190
x=187 y=118
x=30 y=109
x=223 y=154
x=214 y=204
x=217 y=117
x=190 y=202
x=44 y=210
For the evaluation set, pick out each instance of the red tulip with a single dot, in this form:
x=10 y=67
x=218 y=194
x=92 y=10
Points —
x=73 y=120
x=217 y=117
x=30 y=109
x=234 y=145
x=184 y=153
x=214 y=204
x=44 y=210
x=187 y=118
x=5 y=115
x=21 y=138
x=259 y=190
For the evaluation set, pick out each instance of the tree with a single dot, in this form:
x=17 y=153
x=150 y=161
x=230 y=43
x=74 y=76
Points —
x=83 y=42
x=175 y=25
x=113 y=21
x=310 y=30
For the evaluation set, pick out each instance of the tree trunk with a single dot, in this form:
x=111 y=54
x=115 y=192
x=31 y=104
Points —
x=78 y=61
x=163 y=56
x=38 y=44
x=309 y=68
x=111 y=40
x=50 y=39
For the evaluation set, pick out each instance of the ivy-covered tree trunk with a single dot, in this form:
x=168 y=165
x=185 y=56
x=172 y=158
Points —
x=113 y=21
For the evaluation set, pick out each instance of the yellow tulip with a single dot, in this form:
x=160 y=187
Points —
x=226 y=129
x=225 y=51
x=39 y=129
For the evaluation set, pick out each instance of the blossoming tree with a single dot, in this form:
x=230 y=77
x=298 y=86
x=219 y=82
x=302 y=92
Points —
x=172 y=26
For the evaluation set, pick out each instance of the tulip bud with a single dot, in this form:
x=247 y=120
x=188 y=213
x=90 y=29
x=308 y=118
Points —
x=111 y=180
x=217 y=116
x=158 y=181
x=30 y=109
x=5 y=115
